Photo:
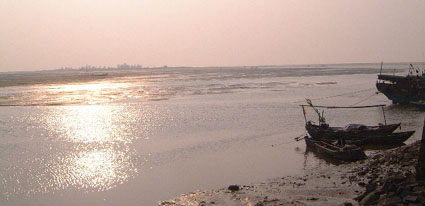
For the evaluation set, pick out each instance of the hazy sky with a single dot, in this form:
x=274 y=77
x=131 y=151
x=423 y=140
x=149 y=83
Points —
x=48 y=34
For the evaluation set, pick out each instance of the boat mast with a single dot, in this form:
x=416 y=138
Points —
x=383 y=112
x=341 y=107
x=305 y=118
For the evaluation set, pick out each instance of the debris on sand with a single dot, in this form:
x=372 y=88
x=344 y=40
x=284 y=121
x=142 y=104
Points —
x=391 y=180
x=233 y=188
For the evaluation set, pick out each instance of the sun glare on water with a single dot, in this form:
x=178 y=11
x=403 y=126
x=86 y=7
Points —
x=89 y=124
x=95 y=155
x=85 y=93
x=95 y=170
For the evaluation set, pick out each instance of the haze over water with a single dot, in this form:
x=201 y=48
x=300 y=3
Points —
x=141 y=136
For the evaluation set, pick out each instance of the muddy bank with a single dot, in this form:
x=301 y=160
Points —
x=386 y=177
x=389 y=178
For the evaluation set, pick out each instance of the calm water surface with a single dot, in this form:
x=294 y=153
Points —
x=137 y=137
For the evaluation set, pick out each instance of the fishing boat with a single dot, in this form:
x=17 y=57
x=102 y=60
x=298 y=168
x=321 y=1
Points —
x=393 y=138
x=357 y=134
x=402 y=89
x=344 y=153
x=351 y=131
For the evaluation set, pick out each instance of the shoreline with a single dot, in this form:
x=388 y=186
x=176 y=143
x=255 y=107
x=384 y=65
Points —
x=358 y=183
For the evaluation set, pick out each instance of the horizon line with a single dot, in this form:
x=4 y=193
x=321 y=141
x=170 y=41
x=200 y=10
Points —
x=240 y=66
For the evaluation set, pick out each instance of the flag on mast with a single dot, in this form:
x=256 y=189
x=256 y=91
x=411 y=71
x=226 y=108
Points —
x=309 y=102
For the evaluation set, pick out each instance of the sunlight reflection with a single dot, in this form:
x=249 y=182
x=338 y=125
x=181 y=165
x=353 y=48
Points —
x=90 y=124
x=99 y=169
x=92 y=144
x=84 y=93
x=94 y=86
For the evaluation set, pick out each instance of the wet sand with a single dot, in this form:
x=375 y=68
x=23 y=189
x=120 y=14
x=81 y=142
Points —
x=334 y=185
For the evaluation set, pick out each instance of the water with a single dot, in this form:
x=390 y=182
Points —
x=137 y=137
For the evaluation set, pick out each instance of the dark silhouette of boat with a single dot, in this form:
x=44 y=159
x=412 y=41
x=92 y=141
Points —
x=310 y=142
x=351 y=131
x=402 y=89
x=389 y=139
x=420 y=105
x=344 y=152
x=357 y=134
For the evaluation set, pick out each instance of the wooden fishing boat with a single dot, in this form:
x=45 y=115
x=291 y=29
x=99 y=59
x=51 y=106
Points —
x=402 y=89
x=357 y=134
x=394 y=138
x=352 y=131
x=344 y=153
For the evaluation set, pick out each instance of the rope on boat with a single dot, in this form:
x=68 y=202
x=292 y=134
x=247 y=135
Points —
x=338 y=95
x=301 y=137
x=364 y=99
x=296 y=139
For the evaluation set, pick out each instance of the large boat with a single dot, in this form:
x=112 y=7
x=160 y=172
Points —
x=402 y=89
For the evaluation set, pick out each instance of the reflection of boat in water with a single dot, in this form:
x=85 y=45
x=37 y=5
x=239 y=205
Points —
x=402 y=89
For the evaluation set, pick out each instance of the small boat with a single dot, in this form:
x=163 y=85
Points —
x=96 y=74
x=351 y=131
x=394 y=138
x=345 y=153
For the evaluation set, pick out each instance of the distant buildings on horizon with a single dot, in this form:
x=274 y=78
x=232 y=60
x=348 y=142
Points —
x=119 y=66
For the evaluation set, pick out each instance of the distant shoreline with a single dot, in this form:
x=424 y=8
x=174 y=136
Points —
x=65 y=76
x=224 y=67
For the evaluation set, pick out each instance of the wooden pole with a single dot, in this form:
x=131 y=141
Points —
x=420 y=167
x=305 y=118
x=340 y=107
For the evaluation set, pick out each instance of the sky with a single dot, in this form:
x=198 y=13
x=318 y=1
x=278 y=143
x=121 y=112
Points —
x=50 y=34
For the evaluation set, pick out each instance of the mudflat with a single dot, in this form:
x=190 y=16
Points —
x=376 y=180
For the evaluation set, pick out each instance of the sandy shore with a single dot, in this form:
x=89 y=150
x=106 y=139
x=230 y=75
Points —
x=334 y=185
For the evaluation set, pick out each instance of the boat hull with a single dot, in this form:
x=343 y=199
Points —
x=402 y=89
x=340 y=153
x=420 y=105
x=399 y=95
x=394 y=138
x=310 y=142
x=334 y=133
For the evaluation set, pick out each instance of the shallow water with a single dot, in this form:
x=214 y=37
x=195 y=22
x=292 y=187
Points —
x=137 y=137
